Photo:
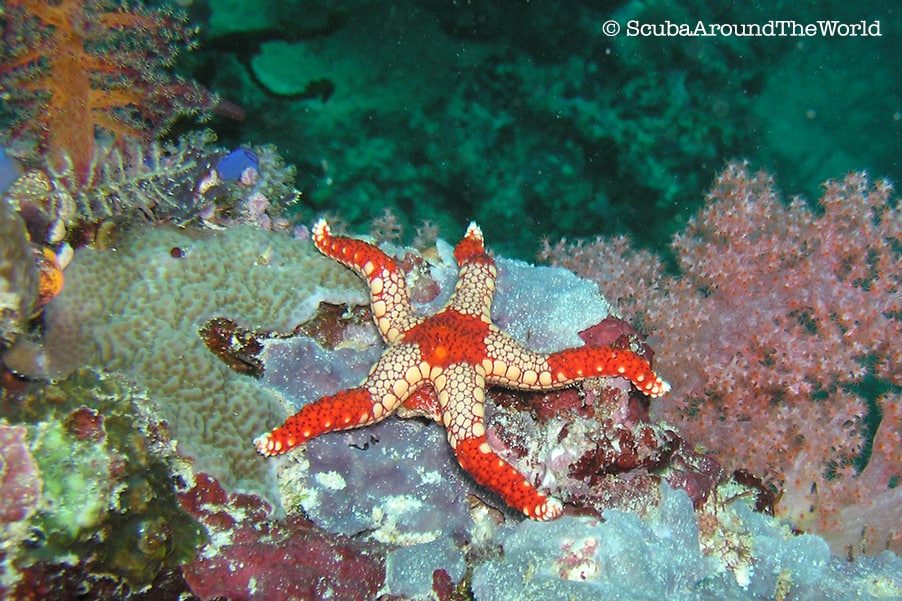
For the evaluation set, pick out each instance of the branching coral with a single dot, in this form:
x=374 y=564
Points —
x=782 y=341
x=74 y=66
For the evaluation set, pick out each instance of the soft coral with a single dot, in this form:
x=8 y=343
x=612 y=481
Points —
x=76 y=68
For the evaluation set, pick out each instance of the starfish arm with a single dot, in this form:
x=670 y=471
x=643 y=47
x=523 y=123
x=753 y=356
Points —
x=512 y=365
x=342 y=411
x=390 y=300
x=575 y=364
x=488 y=469
x=475 y=290
x=461 y=394
x=394 y=377
x=475 y=287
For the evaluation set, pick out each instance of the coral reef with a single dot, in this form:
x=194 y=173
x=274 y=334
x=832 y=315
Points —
x=397 y=482
x=19 y=279
x=102 y=496
x=660 y=558
x=137 y=312
x=249 y=557
x=389 y=510
x=176 y=182
x=78 y=66
x=784 y=325
x=190 y=320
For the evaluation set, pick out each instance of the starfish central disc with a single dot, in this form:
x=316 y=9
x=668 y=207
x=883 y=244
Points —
x=450 y=337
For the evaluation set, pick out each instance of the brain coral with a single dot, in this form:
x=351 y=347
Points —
x=136 y=310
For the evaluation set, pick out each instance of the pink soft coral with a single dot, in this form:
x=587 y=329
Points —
x=778 y=337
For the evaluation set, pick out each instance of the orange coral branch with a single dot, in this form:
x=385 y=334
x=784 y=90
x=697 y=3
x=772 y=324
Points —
x=52 y=46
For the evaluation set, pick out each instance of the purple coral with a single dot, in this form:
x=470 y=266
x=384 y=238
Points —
x=20 y=478
x=776 y=338
x=252 y=557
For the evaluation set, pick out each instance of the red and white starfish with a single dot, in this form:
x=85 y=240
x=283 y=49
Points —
x=440 y=365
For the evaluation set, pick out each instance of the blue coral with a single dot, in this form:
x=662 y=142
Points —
x=626 y=557
x=231 y=166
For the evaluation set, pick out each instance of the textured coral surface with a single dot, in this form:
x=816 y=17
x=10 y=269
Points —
x=249 y=557
x=20 y=477
x=625 y=557
x=18 y=275
x=137 y=311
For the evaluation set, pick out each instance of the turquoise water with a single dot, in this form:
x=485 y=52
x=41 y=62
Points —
x=535 y=120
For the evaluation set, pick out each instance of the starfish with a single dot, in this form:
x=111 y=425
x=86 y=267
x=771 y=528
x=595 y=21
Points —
x=440 y=365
